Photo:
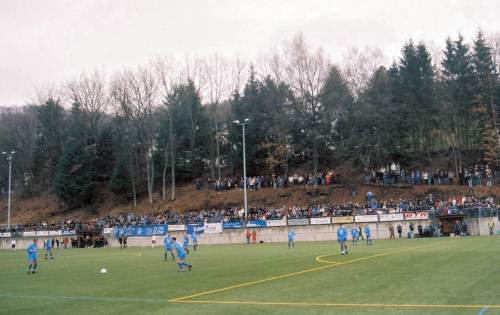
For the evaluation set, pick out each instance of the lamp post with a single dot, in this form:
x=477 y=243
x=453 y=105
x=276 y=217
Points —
x=10 y=156
x=242 y=124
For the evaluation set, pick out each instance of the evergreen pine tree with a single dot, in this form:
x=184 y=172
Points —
x=74 y=178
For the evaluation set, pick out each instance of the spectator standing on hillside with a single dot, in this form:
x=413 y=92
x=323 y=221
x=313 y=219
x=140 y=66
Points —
x=369 y=197
x=400 y=230
x=420 y=230
x=412 y=229
x=489 y=177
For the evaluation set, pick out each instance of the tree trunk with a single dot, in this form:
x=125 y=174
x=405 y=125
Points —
x=172 y=159
x=164 y=177
x=149 y=176
x=315 y=155
x=218 y=149
x=132 y=173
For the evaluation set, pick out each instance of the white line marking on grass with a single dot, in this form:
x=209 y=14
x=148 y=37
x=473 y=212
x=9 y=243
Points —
x=81 y=298
x=351 y=305
x=483 y=311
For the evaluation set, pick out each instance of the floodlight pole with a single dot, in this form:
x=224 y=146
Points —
x=242 y=124
x=10 y=156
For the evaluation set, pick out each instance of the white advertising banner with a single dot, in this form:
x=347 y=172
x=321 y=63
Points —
x=391 y=217
x=108 y=230
x=29 y=233
x=42 y=233
x=213 y=228
x=366 y=218
x=55 y=233
x=5 y=234
x=322 y=220
x=276 y=222
x=176 y=227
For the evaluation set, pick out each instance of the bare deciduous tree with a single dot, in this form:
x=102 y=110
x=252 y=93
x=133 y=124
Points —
x=272 y=65
x=359 y=66
x=306 y=72
x=89 y=91
x=216 y=72
x=169 y=76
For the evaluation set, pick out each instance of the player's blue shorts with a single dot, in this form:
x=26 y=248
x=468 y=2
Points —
x=32 y=260
x=183 y=256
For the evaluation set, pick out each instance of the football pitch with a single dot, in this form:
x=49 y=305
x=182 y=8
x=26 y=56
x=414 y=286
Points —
x=420 y=276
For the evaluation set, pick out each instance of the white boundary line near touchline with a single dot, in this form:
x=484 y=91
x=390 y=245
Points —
x=82 y=298
x=116 y=299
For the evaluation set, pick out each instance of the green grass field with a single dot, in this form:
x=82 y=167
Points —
x=421 y=276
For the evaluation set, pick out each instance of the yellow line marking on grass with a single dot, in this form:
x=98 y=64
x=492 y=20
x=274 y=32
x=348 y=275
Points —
x=334 y=264
x=319 y=259
x=361 y=305
x=250 y=283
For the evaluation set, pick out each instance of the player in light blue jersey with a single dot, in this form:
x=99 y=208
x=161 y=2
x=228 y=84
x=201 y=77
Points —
x=291 y=238
x=354 y=235
x=342 y=239
x=368 y=234
x=169 y=247
x=181 y=256
x=194 y=239
x=32 y=252
x=185 y=243
x=48 y=248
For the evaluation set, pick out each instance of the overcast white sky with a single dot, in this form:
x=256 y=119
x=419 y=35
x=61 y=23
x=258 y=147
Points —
x=43 y=43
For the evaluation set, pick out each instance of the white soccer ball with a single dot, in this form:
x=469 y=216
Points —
x=103 y=271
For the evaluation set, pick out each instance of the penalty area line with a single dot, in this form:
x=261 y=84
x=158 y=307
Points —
x=330 y=265
x=354 y=305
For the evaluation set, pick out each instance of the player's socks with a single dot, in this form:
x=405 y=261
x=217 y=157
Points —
x=165 y=257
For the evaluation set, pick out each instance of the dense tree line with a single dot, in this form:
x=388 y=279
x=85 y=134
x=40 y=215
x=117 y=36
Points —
x=141 y=132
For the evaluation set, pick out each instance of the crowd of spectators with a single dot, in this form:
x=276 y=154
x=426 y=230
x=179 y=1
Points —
x=257 y=182
x=394 y=173
x=370 y=206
